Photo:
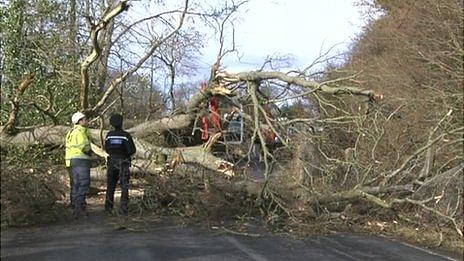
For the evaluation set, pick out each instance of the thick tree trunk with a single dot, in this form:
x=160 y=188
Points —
x=54 y=135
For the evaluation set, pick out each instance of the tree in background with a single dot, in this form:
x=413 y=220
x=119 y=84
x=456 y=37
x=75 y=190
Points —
x=62 y=45
x=30 y=29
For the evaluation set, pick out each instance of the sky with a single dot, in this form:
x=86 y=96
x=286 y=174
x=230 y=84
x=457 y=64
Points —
x=299 y=29
x=302 y=29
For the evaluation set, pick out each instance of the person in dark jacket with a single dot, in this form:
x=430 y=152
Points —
x=120 y=147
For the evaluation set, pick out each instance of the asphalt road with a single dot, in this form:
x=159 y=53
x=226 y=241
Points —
x=98 y=239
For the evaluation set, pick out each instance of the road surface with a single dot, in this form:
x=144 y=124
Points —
x=99 y=238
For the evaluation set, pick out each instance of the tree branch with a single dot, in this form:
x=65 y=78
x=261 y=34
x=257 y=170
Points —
x=296 y=80
x=116 y=81
x=96 y=51
x=10 y=124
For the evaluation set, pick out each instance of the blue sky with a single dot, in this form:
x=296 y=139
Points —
x=299 y=28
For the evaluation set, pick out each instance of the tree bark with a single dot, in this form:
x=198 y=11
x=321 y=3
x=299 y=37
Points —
x=10 y=124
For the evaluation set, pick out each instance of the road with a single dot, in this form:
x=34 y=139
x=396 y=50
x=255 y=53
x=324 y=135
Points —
x=99 y=238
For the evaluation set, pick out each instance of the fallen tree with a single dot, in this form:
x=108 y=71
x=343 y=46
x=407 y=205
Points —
x=201 y=154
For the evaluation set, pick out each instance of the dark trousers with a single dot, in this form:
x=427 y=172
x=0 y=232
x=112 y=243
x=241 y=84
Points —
x=80 y=182
x=70 y=186
x=118 y=169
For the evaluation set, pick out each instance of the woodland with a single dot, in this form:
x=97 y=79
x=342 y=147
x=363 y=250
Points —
x=370 y=140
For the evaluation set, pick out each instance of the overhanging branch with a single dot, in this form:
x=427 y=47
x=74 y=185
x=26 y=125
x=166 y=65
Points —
x=296 y=80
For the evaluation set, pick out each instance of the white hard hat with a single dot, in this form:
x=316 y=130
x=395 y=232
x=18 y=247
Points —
x=76 y=117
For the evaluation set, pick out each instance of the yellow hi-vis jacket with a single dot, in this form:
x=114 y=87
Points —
x=77 y=144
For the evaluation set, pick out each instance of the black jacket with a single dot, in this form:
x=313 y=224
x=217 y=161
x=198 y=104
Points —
x=119 y=144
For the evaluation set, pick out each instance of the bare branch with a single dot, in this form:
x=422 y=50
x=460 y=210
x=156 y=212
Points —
x=96 y=50
x=116 y=81
x=21 y=88
x=300 y=81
